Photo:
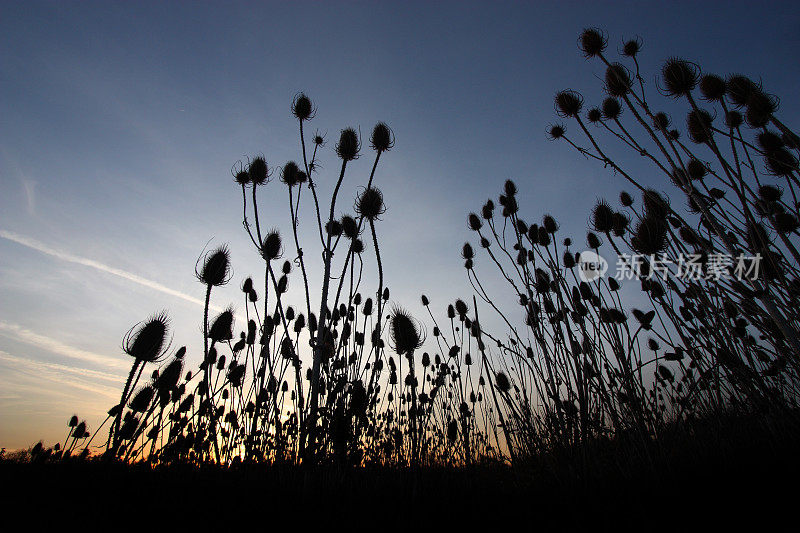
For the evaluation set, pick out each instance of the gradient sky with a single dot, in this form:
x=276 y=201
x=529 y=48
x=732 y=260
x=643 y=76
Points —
x=120 y=121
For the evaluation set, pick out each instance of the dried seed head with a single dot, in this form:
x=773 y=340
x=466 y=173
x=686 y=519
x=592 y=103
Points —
x=650 y=237
x=696 y=169
x=349 y=227
x=290 y=174
x=474 y=222
x=602 y=217
x=467 y=252
x=618 y=80
x=302 y=107
x=740 y=88
x=611 y=108
x=698 y=122
x=556 y=131
x=349 y=145
x=592 y=42
x=733 y=119
x=655 y=205
x=369 y=203
x=216 y=269
x=221 y=328
x=406 y=333
x=713 y=87
x=769 y=140
x=549 y=224
x=760 y=107
x=502 y=382
x=594 y=115
x=382 y=138
x=632 y=47
x=272 y=248
x=147 y=341
x=679 y=76
x=770 y=193
x=258 y=170
x=625 y=199
x=568 y=103
x=593 y=241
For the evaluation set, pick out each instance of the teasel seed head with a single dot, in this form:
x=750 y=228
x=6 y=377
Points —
x=650 y=237
x=502 y=382
x=382 y=139
x=698 y=123
x=349 y=145
x=302 y=108
x=369 y=203
x=216 y=270
x=568 y=103
x=602 y=217
x=221 y=329
x=696 y=169
x=679 y=77
x=592 y=42
x=620 y=224
x=760 y=107
x=467 y=251
x=594 y=115
x=406 y=333
x=740 y=88
x=618 y=80
x=625 y=199
x=632 y=47
x=272 y=247
x=733 y=119
x=474 y=222
x=611 y=108
x=349 y=227
x=147 y=341
x=258 y=170
x=713 y=88
x=290 y=174
x=770 y=193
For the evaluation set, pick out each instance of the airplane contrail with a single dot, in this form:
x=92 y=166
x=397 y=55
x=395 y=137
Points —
x=64 y=256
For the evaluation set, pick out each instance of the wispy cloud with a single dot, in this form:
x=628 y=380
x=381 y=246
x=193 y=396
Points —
x=64 y=256
x=30 y=194
x=17 y=332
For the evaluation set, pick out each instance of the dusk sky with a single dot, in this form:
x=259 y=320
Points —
x=120 y=122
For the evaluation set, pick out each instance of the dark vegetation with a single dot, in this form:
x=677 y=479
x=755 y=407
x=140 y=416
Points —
x=578 y=402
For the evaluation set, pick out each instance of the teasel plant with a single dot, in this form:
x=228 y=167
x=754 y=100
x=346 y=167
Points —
x=740 y=161
x=336 y=233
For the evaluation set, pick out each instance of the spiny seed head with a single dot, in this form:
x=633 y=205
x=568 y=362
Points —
x=357 y=246
x=216 y=269
x=618 y=80
x=679 y=77
x=474 y=222
x=785 y=223
x=713 y=87
x=620 y=224
x=611 y=108
x=258 y=170
x=592 y=42
x=625 y=199
x=272 y=247
x=141 y=400
x=73 y=421
x=467 y=252
x=740 y=88
x=661 y=121
x=650 y=237
x=406 y=333
x=632 y=47
x=769 y=140
x=733 y=119
x=221 y=328
x=289 y=174
x=593 y=241
x=369 y=203
x=602 y=217
x=349 y=227
x=349 y=145
x=781 y=162
x=568 y=103
x=770 y=193
x=461 y=307
x=510 y=188
x=549 y=224
x=556 y=131
x=382 y=138
x=502 y=382
x=698 y=122
x=760 y=107
x=302 y=107
x=247 y=285
x=147 y=341
x=655 y=205
x=242 y=177
x=594 y=115
x=696 y=169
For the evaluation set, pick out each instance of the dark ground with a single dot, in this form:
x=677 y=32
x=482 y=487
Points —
x=740 y=476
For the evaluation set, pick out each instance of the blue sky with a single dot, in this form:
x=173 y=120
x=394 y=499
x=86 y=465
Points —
x=119 y=123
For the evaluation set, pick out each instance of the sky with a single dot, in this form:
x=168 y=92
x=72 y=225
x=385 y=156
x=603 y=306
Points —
x=120 y=123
